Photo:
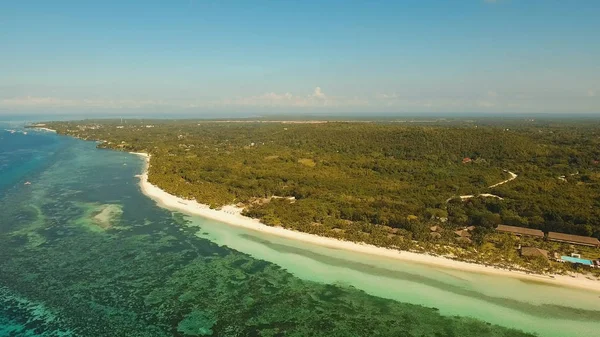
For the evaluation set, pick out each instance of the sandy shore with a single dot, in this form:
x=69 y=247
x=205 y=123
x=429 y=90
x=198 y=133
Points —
x=44 y=129
x=232 y=216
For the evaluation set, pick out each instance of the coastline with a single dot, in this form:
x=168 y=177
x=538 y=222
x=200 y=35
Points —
x=44 y=129
x=232 y=215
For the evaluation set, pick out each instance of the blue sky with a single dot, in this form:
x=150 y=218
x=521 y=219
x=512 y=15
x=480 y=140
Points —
x=308 y=56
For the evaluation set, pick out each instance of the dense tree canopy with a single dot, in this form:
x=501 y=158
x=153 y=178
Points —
x=375 y=181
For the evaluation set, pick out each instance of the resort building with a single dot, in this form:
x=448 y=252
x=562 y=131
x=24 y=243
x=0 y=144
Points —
x=463 y=235
x=534 y=252
x=574 y=239
x=519 y=231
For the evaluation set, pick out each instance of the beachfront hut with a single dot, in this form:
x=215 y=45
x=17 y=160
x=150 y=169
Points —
x=463 y=233
x=574 y=239
x=534 y=252
x=520 y=231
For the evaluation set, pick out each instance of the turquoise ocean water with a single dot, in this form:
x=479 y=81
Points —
x=84 y=253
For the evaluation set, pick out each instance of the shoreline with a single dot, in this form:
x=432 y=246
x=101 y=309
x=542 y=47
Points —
x=44 y=129
x=231 y=215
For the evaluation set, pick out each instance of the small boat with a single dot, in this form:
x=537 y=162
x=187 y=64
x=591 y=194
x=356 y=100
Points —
x=27 y=183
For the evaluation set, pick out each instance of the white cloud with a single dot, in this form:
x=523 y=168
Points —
x=266 y=99
x=383 y=96
x=271 y=99
x=439 y=102
x=317 y=98
x=55 y=102
x=485 y=104
x=318 y=93
x=29 y=101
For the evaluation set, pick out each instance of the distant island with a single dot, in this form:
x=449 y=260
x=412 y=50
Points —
x=479 y=190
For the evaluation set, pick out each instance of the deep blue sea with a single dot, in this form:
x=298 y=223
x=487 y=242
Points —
x=22 y=155
x=84 y=253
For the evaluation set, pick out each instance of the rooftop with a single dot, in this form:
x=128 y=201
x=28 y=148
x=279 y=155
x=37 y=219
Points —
x=520 y=230
x=532 y=251
x=463 y=233
x=577 y=239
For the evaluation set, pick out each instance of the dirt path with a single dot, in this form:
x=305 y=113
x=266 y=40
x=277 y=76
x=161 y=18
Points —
x=513 y=176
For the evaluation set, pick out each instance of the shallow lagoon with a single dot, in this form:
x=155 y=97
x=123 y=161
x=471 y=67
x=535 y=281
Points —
x=84 y=253
x=535 y=307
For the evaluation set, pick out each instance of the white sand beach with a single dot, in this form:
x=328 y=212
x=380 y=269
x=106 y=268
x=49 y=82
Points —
x=44 y=129
x=232 y=215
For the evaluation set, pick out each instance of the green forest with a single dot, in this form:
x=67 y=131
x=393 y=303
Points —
x=381 y=182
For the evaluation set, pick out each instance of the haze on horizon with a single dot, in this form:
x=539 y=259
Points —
x=333 y=56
